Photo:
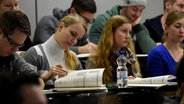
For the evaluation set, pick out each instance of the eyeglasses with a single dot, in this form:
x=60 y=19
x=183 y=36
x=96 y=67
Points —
x=88 y=21
x=12 y=42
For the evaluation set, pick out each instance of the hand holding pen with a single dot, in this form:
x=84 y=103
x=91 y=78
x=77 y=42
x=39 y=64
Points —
x=94 y=46
x=87 y=48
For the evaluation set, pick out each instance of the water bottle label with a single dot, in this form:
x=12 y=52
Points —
x=122 y=75
x=124 y=78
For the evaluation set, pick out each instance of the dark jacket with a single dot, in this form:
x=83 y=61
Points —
x=16 y=64
x=154 y=27
x=27 y=44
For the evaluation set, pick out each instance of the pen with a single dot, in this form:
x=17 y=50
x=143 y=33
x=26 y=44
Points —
x=91 y=44
x=88 y=40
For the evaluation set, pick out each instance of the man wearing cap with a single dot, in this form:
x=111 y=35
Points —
x=132 y=9
x=156 y=24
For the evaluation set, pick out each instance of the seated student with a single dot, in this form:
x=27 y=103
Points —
x=13 y=5
x=23 y=89
x=54 y=56
x=114 y=38
x=14 y=28
x=156 y=24
x=132 y=9
x=163 y=58
x=48 y=24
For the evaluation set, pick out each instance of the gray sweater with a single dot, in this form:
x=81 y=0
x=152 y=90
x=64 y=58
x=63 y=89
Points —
x=16 y=64
x=38 y=57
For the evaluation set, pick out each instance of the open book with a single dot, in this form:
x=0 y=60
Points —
x=157 y=81
x=85 y=55
x=88 y=79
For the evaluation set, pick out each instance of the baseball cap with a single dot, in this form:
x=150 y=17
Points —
x=134 y=2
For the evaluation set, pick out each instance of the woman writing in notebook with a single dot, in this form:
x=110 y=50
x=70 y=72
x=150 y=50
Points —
x=115 y=37
x=56 y=49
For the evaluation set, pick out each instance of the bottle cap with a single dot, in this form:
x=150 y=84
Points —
x=109 y=86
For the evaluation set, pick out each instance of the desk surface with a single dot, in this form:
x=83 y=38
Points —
x=136 y=98
x=164 y=90
x=115 y=89
x=136 y=95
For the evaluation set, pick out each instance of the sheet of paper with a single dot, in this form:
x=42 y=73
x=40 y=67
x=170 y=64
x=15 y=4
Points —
x=84 y=55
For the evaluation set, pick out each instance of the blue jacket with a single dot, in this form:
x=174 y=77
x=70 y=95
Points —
x=160 y=62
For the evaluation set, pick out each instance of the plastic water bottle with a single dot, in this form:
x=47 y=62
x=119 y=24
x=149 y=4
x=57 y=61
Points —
x=122 y=74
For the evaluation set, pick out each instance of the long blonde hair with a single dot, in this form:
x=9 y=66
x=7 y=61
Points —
x=72 y=61
x=105 y=46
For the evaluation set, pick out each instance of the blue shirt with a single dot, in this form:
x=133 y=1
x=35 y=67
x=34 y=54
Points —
x=160 y=62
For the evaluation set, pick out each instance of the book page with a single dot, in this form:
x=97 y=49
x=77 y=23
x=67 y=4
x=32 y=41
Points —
x=101 y=88
x=153 y=80
x=146 y=85
x=142 y=55
x=83 y=55
x=81 y=78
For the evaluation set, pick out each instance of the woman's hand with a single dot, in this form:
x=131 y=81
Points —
x=130 y=77
x=55 y=70
x=87 y=48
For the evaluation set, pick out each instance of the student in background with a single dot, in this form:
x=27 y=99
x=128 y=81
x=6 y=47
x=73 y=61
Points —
x=54 y=57
x=156 y=24
x=132 y=9
x=115 y=37
x=48 y=24
x=163 y=58
x=13 y=5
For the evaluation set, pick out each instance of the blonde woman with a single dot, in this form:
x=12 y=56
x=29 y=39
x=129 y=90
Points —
x=53 y=57
x=114 y=38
